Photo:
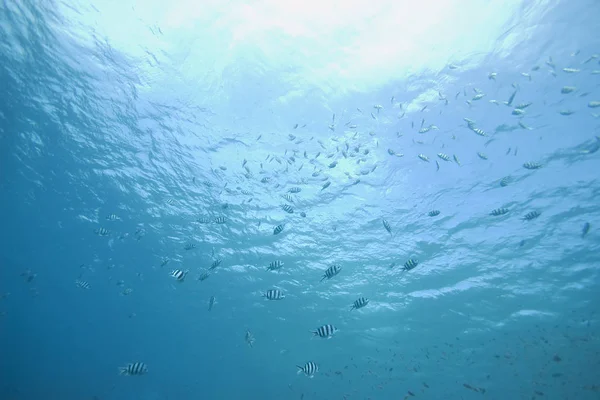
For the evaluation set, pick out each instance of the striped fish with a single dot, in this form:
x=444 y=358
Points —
x=359 y=303
x=273 y=294
x=136 y=368
x=325 y=331
x=443 y=156
x=278 y=229
x=433 y=213
x=294 y=190
x=387 y=226
x=82 y=284
x=179 y=275
x=275 y=265
x=331 y=272
x=288 y=197
x=220 y=220
x=499 y=211
x=532 y=165
x=309 y=369
x=410 y=264
x=189 y=246
x=287 y=208
x=112 y=217
x=102 y=232
x=504 y=181
x=531 y=215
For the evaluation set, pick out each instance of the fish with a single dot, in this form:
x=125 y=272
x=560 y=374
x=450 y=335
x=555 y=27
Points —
x=387 y=226
x=309 y=369
x=482 y=156
x=504 y=181
x=423 y=157
x=102 y=232
x=82 y=284
x=443 y=156
x=331 y=272
x=532 y=165
x=294 y=189
x=433 y=213
x=273 y=294
x=326 y=185
x=211 y=302
x=410 y=264
x=136 y=368
x=531 y=215
x=585 y=230
x=179 y=275
x=275 y=265
x=278 y=229
x=287 y=208
x=359 y=303
x=112 y=217
x=220 y=220
x=499 y=211
x=325 y=331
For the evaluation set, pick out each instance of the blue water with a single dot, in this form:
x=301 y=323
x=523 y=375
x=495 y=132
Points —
x=147 y=110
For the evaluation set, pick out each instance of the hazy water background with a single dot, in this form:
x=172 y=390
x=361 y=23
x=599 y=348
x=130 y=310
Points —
x=131 y=108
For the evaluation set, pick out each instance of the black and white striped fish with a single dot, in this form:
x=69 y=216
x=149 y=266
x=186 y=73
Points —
x=433 y=213
x=387 y=226
x=294 y=190
x=504 y=181
x=102 y=232
x=220 y=220
x=288 y=197
x=443 y=156
x=531 y=215
x=179 y=275
x=325 y=331
x=82 y=284
x=278 y=229
x=136 y=368
x=275 y=265
x=359 y=303
x=532 y=165
x=273 y=294
x=287 y=208
x=203 y=220
x=309 y=369
x=410 y=264
x=112 y=217
x=499 y=211
x=331 y=272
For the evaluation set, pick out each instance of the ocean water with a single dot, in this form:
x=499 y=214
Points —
x=131 y=131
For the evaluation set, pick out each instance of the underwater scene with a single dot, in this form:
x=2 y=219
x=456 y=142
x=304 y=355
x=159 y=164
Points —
x=353 y=200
